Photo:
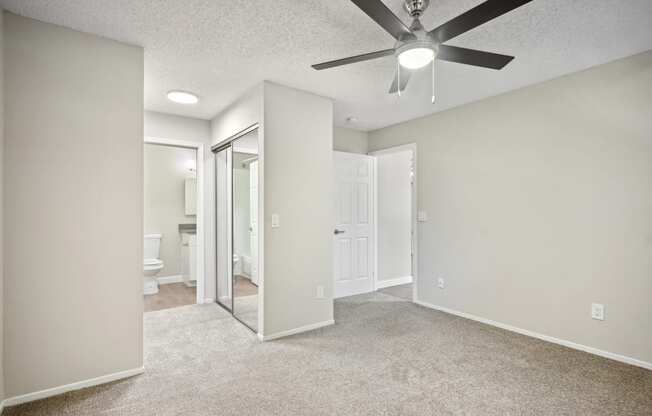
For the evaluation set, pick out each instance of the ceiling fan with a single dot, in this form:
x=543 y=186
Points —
x=415 y=47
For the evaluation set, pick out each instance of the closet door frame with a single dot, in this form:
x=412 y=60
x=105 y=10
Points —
x=222 y=145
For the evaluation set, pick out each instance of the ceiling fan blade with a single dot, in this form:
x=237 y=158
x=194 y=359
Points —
x=405 y=77
x=353 y=59
x=382 y=15
x=475 y=17
x=473 y=57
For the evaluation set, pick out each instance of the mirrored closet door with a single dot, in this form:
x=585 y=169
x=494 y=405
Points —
x=237 y=226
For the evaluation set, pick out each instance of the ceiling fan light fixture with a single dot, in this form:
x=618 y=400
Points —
x=416 y=55
x=416 y=58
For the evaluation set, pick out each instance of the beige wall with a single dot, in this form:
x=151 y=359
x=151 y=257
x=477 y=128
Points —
x=298 y=254
x=165 y=208
x=295 y=135
x=394 y=214
x=73 y=206
x=539 y=203
x=349 y=140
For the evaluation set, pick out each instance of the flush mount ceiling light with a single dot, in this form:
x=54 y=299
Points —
x=182 y=97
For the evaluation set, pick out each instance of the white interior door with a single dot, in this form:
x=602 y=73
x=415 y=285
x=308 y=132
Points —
x=353 y=238
x=253 y=215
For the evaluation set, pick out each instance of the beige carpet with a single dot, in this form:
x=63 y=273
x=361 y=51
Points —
x=385 y=356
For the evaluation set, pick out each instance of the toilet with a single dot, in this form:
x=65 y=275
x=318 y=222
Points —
x=152 y=265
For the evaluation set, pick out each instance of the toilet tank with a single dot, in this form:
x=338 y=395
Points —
x=152 y=246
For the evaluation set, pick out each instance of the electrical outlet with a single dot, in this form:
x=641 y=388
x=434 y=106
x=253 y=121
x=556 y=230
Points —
x=320 y=292
x=441 y=283
x=597 y=311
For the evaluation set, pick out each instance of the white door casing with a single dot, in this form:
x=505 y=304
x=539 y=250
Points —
x=353 y=238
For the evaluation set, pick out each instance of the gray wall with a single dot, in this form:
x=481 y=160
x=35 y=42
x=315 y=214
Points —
x=165 y=175
x=298 y=254
x=73 y=206
x=539 y=204
x=349 y=140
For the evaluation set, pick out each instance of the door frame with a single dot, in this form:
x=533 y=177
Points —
x=200 y=217
x=414 y=191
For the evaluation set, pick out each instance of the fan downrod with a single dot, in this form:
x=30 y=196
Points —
x=416 y=7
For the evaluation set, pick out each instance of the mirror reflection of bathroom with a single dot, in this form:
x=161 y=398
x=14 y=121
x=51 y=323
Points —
x=170 y=249
x=245 y=229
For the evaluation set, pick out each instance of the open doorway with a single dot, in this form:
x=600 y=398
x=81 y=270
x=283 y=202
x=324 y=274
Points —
x=173 y=270
x=396 y=220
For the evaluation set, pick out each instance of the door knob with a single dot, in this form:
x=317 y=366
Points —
x=338 y=231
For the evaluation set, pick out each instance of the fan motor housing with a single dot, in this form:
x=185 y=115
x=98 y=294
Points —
x=416 y=7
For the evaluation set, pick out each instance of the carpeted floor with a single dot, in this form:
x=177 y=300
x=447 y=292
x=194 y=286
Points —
x=384 y=356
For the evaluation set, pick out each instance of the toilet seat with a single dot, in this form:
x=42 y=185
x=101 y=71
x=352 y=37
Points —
x=152 y=264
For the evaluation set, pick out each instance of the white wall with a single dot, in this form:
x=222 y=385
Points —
x=298 y=254
x=394 y=214
x=539 y=204
x=165 y=175
x=73 y=206
x=349 y=140
x=169 y=126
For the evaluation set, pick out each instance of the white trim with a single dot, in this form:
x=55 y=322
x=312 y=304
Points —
x=54 y=391
x=565 y=343
x=166 y=280
x=294 y=331
x=380 y=284
x=415 y=229
x=201 y=245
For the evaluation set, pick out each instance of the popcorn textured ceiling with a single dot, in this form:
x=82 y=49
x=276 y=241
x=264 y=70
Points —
x=221 y=48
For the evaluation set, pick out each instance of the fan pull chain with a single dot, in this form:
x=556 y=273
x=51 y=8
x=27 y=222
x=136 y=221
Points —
x=398 y=77
x=433 y=81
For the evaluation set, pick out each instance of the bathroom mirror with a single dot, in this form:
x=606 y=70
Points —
x=245 y=229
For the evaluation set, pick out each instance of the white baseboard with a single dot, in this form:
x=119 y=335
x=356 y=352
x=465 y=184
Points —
x=569 y=344
x=42 y=394
x=165 y=280
x=294 y=331
x=380 y=284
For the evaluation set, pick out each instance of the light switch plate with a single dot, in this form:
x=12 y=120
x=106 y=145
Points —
x=320 y=292
x=422 y=216
x=441 y=283
x=276 y=220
